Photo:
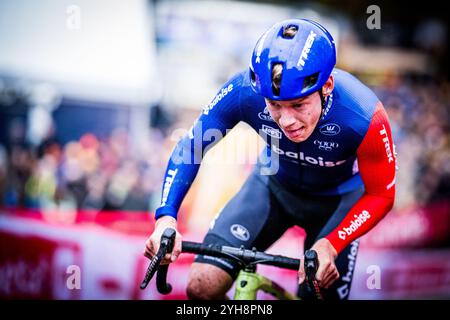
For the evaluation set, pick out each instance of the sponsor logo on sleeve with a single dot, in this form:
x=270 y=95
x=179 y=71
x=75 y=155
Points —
x=354 y=224
x=390 y=185
x=167 y=184
x=223 y=92
x=383 y=133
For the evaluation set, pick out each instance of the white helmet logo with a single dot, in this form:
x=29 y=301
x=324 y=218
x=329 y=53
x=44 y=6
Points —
x=240 y=232
x=308 y=44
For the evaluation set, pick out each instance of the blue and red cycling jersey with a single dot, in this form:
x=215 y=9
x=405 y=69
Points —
x=351 y=146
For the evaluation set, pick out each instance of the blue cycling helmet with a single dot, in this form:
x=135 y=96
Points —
x=307 y=58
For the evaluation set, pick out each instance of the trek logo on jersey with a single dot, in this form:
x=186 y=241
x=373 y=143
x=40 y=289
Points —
x=306 y=159
x=217 y=98
x=326 y=145
x=383 y=133
x=307 y=47
x=274 y=133
x=354 y=225
x=265 y=115
x=240 y=232
x=167 y=184
x=390 y=185
x=330 y=129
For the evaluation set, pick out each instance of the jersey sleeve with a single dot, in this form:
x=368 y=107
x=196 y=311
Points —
x=377 y=166
x=220 y=115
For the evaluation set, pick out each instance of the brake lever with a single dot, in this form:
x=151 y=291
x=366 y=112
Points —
x=168 y=239
x=161 y=280
x=166 y=246
x=161 y=277
x=311 y=266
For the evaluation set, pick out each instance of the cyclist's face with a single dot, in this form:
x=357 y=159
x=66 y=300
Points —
x=297 y=118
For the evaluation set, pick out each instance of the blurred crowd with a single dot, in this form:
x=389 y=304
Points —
x=419 y=112
x=89 y=173
x=111 y=174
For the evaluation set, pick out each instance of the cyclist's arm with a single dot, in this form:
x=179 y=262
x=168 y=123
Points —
x=220 y=115
x=376 y=162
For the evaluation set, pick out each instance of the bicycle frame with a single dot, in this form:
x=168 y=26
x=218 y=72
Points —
x=248 y=283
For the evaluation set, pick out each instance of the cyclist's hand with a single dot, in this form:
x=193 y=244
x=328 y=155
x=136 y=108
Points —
x=327 y=272
x=152 y=243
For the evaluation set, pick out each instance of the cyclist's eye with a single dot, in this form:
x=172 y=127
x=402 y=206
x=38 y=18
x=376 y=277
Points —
x=273 y=104
x=297 y=105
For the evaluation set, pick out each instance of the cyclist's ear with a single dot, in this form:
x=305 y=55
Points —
x=328 y=86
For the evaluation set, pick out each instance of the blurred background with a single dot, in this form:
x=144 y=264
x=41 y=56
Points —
x=95 y=94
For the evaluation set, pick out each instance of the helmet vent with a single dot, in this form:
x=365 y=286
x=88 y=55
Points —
x=277 y=70
x=289 y=31
x=252 y=76
x=310 y=81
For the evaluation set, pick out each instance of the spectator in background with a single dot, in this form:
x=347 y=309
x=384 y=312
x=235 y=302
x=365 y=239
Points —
x=21 y=164
x=419 y=114
x=3 y=170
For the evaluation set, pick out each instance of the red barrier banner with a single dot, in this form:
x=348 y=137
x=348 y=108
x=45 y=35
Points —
x=411 y=228
x=32 y=267
x=402 y=274
x=37 y=250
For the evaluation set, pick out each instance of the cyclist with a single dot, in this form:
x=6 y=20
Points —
x=328 y=167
